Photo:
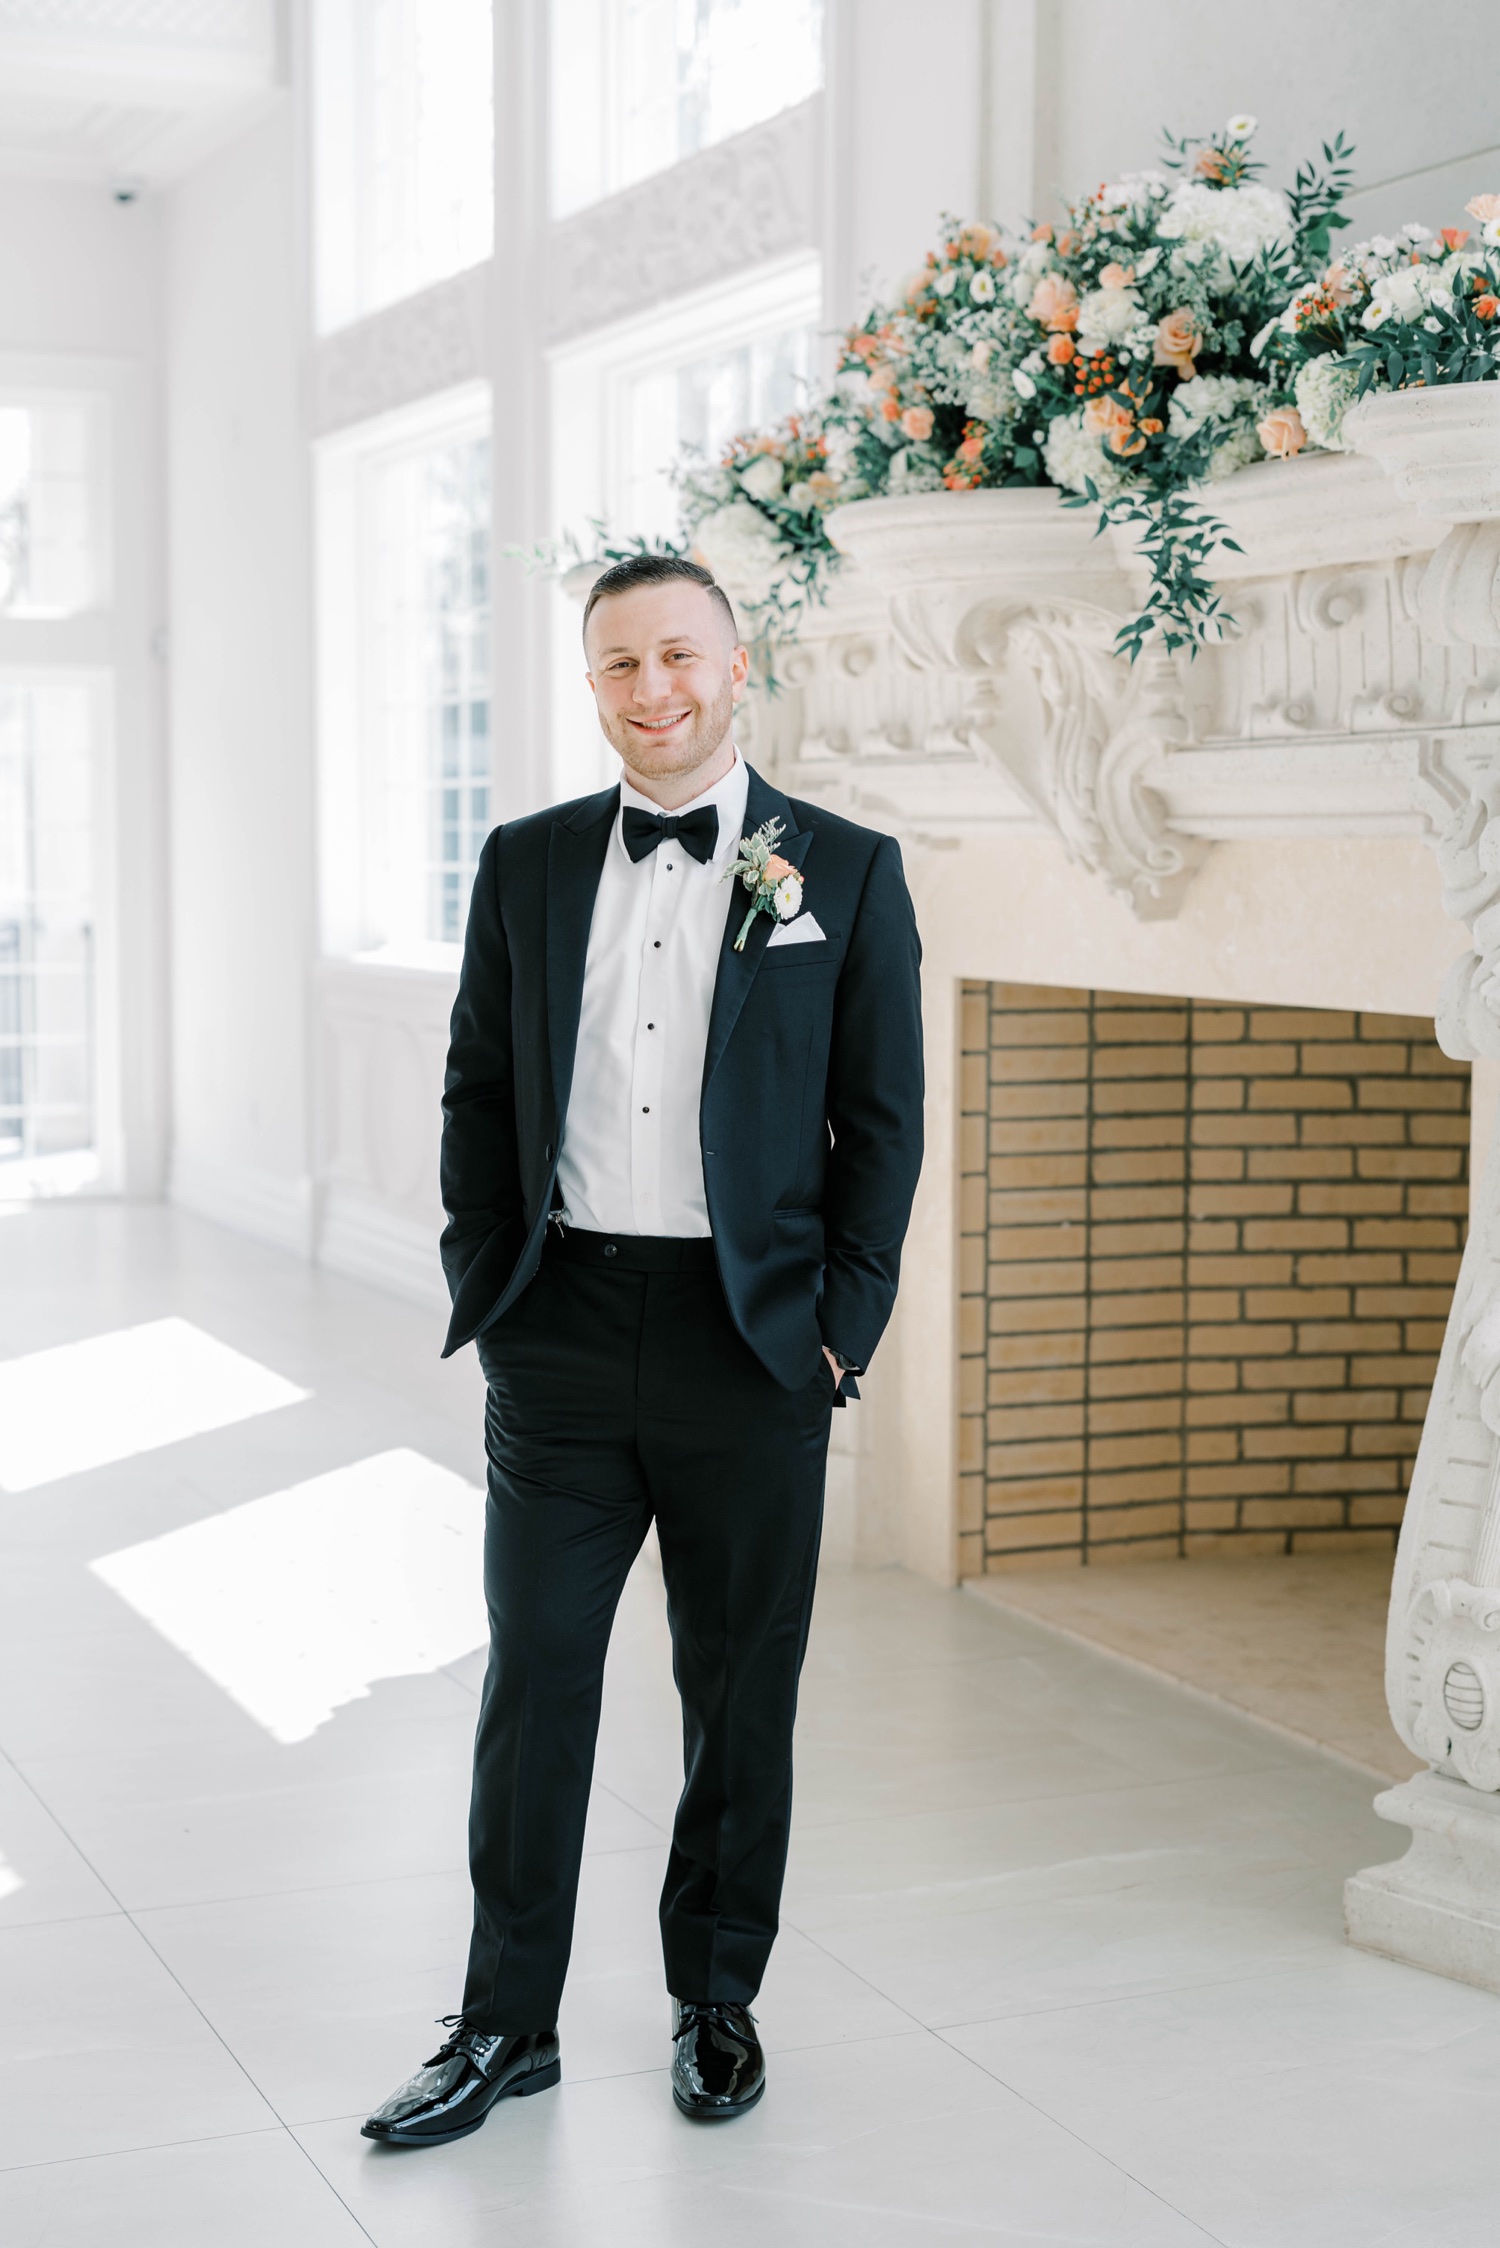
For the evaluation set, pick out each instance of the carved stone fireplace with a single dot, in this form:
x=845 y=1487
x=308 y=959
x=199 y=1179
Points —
x=1281 y=824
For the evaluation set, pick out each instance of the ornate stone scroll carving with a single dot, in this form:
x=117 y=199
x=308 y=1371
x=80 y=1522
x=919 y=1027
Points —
x=1018 y=603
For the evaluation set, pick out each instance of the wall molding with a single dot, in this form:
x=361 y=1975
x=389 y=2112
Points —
x=408 y=351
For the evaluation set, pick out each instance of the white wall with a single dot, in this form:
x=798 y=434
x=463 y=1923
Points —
x=80 y=304
x=1413 y=88
x=241 y=697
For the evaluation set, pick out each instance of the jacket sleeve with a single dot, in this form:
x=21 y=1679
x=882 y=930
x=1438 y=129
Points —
x=875 y=1092
x=480 y=1172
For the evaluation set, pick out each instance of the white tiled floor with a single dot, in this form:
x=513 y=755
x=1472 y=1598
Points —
x=1061 y=1962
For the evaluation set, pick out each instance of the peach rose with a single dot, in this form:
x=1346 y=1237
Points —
x=1115 y=276
x=1061 y=348
x=777 y=869
x=1041 y=233
x=1112 y=420
x=1177 y=341
x=916 y=423
x=1282 y=433
x=1484 y=208
x=1486 y=306
x=890 y=407
x=1453 y=237
x=1054 y=302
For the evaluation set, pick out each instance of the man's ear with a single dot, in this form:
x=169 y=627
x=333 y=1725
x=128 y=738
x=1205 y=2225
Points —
x=739 y=672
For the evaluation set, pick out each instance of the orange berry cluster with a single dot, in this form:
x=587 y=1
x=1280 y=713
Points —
x=1093 y=375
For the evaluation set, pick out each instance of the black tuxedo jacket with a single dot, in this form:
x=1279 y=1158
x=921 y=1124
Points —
x=811 y=1109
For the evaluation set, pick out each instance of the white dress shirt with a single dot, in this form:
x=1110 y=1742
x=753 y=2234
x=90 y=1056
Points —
x=631 y=1158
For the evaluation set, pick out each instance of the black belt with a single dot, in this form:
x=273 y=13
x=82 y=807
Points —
x=631 y=1252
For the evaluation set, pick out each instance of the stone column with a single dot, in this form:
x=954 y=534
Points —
x=1439 y=1905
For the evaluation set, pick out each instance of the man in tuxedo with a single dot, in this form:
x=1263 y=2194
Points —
x=677 y=1175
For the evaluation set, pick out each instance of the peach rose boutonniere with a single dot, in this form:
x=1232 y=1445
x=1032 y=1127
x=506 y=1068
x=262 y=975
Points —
x=1178 y=343
x=775 y=885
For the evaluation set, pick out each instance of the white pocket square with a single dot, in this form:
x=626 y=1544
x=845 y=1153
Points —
x=804 y=930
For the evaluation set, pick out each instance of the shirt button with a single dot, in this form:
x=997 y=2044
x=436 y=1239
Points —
x=645 y=1112
x=609 y=1249
x=656 y=947
x=649 y=1026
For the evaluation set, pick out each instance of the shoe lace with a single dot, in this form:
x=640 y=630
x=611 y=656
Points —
x=457 y=2029
x=692 y=2011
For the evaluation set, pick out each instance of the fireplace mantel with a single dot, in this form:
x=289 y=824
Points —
x=960 y=678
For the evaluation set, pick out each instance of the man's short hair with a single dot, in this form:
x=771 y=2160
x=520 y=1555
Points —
x=656 y=569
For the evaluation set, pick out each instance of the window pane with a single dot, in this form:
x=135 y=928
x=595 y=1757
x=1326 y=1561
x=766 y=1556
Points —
x=404 y=146
x=46 y=932
x=428 y=641
x=639 y=84
x=702 y=403
x=49 y=532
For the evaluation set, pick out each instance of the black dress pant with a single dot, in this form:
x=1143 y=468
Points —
x=619 y=1390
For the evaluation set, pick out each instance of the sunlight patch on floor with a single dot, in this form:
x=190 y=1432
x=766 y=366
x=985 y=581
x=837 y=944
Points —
x=87 y=1404
x=297 y=1603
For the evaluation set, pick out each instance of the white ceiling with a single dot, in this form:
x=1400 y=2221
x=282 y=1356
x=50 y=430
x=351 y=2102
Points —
x=128 y=92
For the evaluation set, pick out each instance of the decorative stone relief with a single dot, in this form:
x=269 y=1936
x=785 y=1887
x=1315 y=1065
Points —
x=741 y=203
x=409 y=351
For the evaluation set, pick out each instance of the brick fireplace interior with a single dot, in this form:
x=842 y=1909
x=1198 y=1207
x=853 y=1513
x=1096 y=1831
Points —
x=1207 y=1254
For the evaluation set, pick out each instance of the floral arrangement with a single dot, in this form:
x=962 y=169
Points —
x=774 y=883
x=1109 y=357
x=1399 y=310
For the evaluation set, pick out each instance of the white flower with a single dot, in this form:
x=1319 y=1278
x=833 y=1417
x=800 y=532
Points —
x=914 y=469
x=1490 y=233
x=1237 y=222
x=1241 y=449
x=841 y=443
x=1433 y=327
x=1133 y=190
x=982 y=288
x=1262 y=337
x=947 y=281
x=1147 y=259
x=1415 y=231
x=740 y=546
x=787 y=897
x=1106 y=316
x=1022 y=383
x=1325 y=392
x=1210 y=398
x=762 y=479
x=1381 y=246
x=1074 y=455
x=1240 y=127
x=1375 y=314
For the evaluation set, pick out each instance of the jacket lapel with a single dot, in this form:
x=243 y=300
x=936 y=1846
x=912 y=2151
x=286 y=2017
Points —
x=575 y=861
x=737 y=969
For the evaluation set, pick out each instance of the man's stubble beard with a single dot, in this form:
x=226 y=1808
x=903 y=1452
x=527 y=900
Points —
x=701 y=745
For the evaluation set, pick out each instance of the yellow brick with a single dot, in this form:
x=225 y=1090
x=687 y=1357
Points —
x=1213 y=1237
x=971 y=1209
x=1037 y=1065
x=1116 y=1416
x=1363 y=1268
x=1413 y=1093
x=1297 y=1303
x=1004 y=996
x=1342 y=1541
x=1158 y=1448
x=1405 y=1233
x=1122 y=1204
x=1039 y=1350
x=1137 y=1097
x=1356 y=1131
x=1106 y=1524
x=1322 y=1201
x=971 y=1379
x=1140 y=1024
x=1300 y=1092
x=1384 y=1506
x=1160 y=1132
x=1212 y=1444
x=1134 y=1486
x=1332 y=1335
x=1211 y=1514
x=1139 y=1238
x=1288 y=1443
x=1299 y=1022
x=1244 y=1131
x=1397 y=1366
x=1237 y=1409
x=1241 y=1201
x=1112 y=1274
x=1290 y=1513
x=1251 y=1483
x=1219 y=1164
x=1218 y=1093
x=1242 y=1545
x=1120 y=1553
x=1245 y=1061
x=1346 y=1475
x=1030 y=1385
x=1345 y=1405
x=1058 y=1457
x=1044 y=1557
x=1306 y=1373
x=1354 y=1061
x=1402 y=1303
x=1302 y=1163
x=1411 y=1162
x=1211 y=1024
x=971 y=1324
x=1055 y=1137
x=1135 y=1344
x=1040 y=1174
x=1438 y=1201
x=1142 y=1310
x=1160 y=1378
x=971 y=1143
x=1004 y=1533
x=974 y=1024
x=1240 y=1342
x=1241 y=1271
x=1043 y=1027
x=1038 y=1206
x=1012 y=1103
x=1034 y=1494
x=1020 y=1424
x=1159 y=1168
x=1389 y=1440
x=1037 y=1315
x=1055 y=1278
x=1030 y=1244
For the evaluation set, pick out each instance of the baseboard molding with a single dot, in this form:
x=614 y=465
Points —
x=366 y=1241
x=262 y=1204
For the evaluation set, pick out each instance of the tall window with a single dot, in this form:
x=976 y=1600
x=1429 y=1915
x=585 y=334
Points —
x=624 y=405
x=47 y=1121
x=50 y=542
x=639 y=84
x=403 y=148
x=405 y=521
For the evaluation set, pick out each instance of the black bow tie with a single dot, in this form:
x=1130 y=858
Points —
x=697 y=832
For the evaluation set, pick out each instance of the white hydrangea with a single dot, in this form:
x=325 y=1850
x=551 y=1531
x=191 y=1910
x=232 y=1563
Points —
x=914 y=469
x=1106 y=316
x=1240 y=449
x=762 y=477
x=1325 y=391
x=1235 y=222
x=740 y=546
x=1133 y=190
x=1074 y=455
x=1408 y=292
x=991 y=398
x=1206 y=398
x=840 y=443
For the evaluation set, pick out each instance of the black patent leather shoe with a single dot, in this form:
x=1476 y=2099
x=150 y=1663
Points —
x=718 y=2068
x=451 y=2094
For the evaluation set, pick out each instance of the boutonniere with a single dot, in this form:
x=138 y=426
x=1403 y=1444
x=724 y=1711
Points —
x=774 y=883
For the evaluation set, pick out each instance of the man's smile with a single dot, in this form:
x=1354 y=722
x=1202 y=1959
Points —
x=661 y=725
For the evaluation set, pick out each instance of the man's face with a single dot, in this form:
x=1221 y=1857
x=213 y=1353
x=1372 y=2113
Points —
x=666 y=674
